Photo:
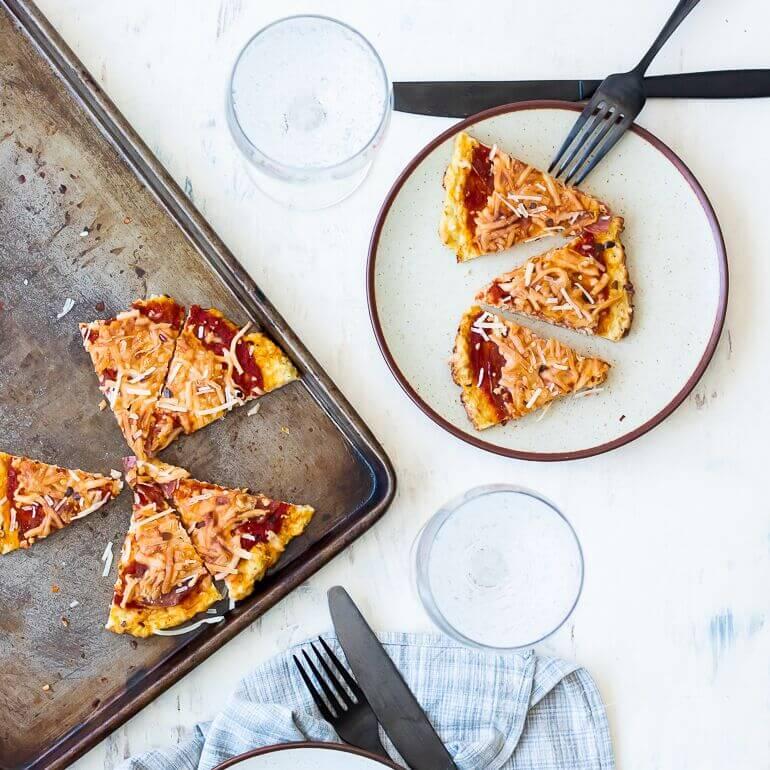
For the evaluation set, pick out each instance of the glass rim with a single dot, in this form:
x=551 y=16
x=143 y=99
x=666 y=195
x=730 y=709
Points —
x=426 y=539
x=387 y=103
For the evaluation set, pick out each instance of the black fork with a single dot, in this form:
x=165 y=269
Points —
x=352 y=718
x=611 y=110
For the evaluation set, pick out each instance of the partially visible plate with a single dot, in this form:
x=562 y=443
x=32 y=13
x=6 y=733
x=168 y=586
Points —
x=307 y=756
x=676 y=260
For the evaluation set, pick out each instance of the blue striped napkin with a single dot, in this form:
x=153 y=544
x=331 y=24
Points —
x=493 y=712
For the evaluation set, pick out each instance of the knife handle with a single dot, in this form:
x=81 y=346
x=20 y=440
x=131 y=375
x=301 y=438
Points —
x=724 y=84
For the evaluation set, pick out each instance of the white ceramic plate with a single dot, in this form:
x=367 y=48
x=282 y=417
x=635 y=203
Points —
x=306 y=756
x=676 y=260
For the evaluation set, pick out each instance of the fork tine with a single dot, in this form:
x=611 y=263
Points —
x=335 y=682
x=588 y=111
x=340 y=701
x=617 y=131
x=610 y=120
x=314 y=694
x=589 y=129
x=344 y=673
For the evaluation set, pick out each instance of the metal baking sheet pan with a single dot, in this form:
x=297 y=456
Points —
x=87 y=213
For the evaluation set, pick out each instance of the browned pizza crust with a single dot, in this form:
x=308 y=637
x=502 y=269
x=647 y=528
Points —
x=161 y=581
x=506 y=371
x=240 y=535
x=494 y=201
x=216 y=366
x=131 y=354
x=582 y=286
x=36 y=498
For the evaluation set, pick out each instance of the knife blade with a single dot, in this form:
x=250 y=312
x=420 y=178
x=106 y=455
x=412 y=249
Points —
x=459 y=99
x=397 y=710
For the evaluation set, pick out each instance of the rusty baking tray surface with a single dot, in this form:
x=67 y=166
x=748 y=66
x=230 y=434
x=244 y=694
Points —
x=87 y=212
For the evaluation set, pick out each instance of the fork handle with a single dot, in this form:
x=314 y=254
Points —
x=372 y=744
x=683 y=7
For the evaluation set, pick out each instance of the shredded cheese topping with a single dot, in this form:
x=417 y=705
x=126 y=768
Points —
x=46 y=498
x=205 y=380
x=131 y=355
x=535 y=370
x=158 y=564
x=107 y=559
x=566 y=286
x=213 y=516
x=526 y=204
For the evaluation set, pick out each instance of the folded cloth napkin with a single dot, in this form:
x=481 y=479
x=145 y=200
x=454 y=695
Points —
x=493 y=712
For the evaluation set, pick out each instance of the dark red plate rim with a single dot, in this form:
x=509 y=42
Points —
x=547 y=456
x=343 y=748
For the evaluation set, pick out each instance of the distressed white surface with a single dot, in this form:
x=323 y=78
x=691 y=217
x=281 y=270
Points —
x=673 y=622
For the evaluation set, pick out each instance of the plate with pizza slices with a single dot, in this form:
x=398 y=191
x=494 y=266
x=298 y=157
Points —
x=538 y=320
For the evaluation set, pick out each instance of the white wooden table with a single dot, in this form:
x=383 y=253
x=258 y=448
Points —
x=674 y=622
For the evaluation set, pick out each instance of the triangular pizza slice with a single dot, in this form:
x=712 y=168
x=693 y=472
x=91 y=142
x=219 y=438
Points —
x=161 y=581
x=131 y=355
x=215 y=367
x=240 y=535
x=493 y=201
x=36 y=498
x=507 y=371
x=583 y=285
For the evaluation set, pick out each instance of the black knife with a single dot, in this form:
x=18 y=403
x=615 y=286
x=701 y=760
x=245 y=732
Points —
x=458 y=99
x=397 y=710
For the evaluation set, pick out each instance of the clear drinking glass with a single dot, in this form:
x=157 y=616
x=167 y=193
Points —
x=499 y=568
x=308 y=104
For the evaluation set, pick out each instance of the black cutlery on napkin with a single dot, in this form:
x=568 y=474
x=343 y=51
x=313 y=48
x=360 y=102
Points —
x=398 y=711
x=459 y=99
x=352 y=718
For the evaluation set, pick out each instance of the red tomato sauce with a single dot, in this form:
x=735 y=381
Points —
x=161 y=311
x=150 y=493
x=260 y=527
x=495 y=293
x=27 y=517
x=485 y=355
x=171 y=599
x=587 y=245
x=218 y=335
x=479 y=184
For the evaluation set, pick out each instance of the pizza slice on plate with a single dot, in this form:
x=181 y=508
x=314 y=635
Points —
x=240 y=535
x=494 y=201
x=215 y=367
x=36 y=499
x=161 y=581
x=131 y=354
x=507 y=371
x=583 y=285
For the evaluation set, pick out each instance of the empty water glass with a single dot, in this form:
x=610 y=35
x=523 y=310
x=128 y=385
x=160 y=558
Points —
x=499 y=568
x=308 y=104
